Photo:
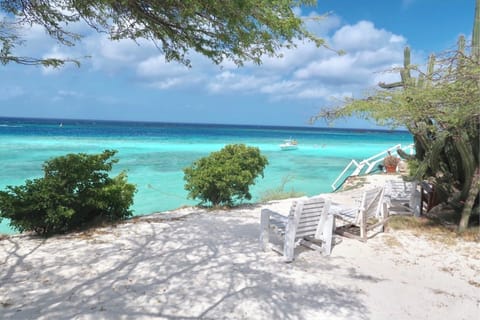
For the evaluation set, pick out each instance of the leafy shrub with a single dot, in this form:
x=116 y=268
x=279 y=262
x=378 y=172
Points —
x=413 y=166
x=225 y=176
x=74 y=192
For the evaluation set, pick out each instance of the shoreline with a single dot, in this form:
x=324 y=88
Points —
x=155 y=155
x=372 y=182
x=198 y=263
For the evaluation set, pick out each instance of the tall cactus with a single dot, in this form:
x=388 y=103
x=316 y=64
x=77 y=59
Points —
x=448 y=154
x=476 y=33
x=405 y=75
x=405 y=72
x=474 y=186
x=407 y=80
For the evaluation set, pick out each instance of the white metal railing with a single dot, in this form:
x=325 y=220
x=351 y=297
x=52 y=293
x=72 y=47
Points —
x=353 y=162
x=376 y=159
x=371 y=162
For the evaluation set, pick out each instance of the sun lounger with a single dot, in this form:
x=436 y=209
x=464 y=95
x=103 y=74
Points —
x=402 y=197
x=309 y=223
x=368 y=215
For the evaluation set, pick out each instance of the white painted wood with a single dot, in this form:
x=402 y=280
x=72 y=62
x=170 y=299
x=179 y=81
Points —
x=320 y=231
x=264 y=228
x=358 y=169
x=370 y=207
x=290 y=231
x=403 y=197
x=308 y=221
x=371 y=163
x=383 y=217
x=327 y=236
x=415 y=199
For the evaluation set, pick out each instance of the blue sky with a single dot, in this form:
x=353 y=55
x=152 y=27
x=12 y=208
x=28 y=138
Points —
x=128 y=81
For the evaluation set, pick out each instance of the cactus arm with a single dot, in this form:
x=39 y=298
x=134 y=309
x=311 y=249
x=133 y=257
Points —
x=476 y=33
x=405 y=72
x=431 y=65
x=470 y=201
x=384 y=85
x=430 y=71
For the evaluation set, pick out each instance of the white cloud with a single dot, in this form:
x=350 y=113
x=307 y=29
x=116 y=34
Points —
x=335 y=68
x=363 y=36
x=314 y=93
x=322 y=25
x=156 y=66
x=293 y=58
x=386 y=77
x=232 y=82
x=160 y=74
x=118 y=51
x=55 y=53
x=380 y=57
x=166 y=84
x=305 y=72
x=113 y=56
x=284 y=86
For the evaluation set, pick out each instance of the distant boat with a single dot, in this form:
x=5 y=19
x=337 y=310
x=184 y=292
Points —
x=61 y=124
x=289 y=144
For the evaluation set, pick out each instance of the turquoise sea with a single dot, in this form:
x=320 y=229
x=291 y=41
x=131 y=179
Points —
x=154 y=154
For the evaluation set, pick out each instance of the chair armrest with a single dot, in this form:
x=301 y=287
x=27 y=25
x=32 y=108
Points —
x=274 y=217
x=269 y=219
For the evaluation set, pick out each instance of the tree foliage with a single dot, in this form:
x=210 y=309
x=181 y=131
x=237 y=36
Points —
x=236 y=30
x=441 y=108
x=226 y=175
x=74 y=191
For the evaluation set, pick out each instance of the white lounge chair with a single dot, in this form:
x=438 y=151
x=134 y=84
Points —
x=309 y=223
x=402 y=197
x=371 y=207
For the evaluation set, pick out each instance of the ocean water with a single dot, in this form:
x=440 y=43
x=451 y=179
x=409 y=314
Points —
x=154 y=154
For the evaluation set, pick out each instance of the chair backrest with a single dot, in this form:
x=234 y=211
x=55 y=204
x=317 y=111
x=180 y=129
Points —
x=371 y=205
x=309 y=215
x=399 y=189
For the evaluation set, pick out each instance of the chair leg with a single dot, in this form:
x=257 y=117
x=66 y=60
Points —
x=288 y=251
x=289 y=242
x=328 y=234
x=264 y=229
x=363 y=226
x=385 y=215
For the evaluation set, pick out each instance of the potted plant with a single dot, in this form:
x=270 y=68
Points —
x=390 y=162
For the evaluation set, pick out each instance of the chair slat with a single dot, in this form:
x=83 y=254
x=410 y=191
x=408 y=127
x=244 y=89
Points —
x=307 y=218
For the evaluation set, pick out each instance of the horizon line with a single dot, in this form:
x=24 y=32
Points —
x=308 y=127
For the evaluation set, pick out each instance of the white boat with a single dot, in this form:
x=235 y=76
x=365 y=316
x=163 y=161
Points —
x=289 y=144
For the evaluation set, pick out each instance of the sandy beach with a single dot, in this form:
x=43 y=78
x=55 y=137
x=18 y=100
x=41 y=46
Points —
x=197 y=264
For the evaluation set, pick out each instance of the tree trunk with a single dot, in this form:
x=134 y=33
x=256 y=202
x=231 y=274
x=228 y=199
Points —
x=472 y=195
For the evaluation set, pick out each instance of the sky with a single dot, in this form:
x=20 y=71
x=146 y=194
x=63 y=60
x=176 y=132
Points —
x=123 y=80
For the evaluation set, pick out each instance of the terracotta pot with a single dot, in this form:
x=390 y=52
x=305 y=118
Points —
x=391 y=169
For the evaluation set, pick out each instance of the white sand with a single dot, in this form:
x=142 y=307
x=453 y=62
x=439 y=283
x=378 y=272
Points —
x=208 y=265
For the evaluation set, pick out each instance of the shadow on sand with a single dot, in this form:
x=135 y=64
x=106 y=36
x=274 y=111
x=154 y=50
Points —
x=199 y=267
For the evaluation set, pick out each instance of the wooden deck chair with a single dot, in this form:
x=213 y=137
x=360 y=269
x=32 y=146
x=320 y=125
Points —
x=371 y=207
x=309 y=223
x=402 y=197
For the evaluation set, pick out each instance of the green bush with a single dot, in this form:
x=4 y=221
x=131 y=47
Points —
x=225 y=176
x=75 y=191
